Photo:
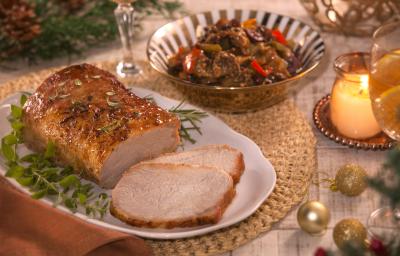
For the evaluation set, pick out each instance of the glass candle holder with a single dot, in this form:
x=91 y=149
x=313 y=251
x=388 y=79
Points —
x=350 y=107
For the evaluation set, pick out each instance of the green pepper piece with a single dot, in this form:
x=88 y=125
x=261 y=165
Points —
x=282 y=50
x=210 y=47
x=291 y=44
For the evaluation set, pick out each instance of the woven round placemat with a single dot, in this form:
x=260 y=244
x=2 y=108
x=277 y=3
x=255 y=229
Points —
x=281 y=132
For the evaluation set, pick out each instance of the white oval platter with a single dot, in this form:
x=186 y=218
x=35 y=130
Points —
x=256 y=184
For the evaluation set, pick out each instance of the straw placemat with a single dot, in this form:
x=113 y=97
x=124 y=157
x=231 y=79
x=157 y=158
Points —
x=281 y=132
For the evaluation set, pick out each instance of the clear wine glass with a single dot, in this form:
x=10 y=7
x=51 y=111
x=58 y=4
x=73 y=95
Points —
x=384 y=88
x=124 y=14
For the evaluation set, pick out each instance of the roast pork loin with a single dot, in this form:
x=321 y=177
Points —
x=220 y=156
x=166 y=195
x=98 y=126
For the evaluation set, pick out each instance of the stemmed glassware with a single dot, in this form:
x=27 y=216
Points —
x=384 y=88
x=125 y=18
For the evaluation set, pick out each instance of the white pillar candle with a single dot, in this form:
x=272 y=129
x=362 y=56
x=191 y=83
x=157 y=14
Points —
x=350 y=107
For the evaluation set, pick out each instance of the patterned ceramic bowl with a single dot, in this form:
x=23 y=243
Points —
x=166 y=41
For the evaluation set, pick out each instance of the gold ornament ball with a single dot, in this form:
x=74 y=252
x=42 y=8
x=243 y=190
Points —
x=350 y=180
x=349 y=230
x=313 y=217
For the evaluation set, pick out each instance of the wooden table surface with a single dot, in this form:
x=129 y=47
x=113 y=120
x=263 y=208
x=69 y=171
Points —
x=285 y=238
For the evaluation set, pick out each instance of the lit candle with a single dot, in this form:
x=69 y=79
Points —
x=350 y=106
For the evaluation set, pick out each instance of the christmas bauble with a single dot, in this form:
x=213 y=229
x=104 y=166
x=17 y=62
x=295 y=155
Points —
x=377 y=247
x=320 y=252
x=351 y=180
x=313 y=217
x=349 y=230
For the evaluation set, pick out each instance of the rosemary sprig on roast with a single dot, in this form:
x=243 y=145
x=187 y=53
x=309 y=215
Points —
x=77 y=82
x=190 y=120
x=111 y=103
x=40 y=173
x=149 y=98
x=109 y=128
x=59 y=95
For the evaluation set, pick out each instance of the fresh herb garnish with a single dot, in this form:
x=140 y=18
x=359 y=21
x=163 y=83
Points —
x=59 y=96
x=78 y=107
x=77 y=82
x=150 y=98
x=190 y=120
x=63 y=96
x=109 y=128
x=23 y=99
x=111 y=103
x=40 y=173
x=54 y=97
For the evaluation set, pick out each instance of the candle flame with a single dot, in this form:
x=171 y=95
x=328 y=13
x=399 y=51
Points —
x=363 y=85
x=364 y=82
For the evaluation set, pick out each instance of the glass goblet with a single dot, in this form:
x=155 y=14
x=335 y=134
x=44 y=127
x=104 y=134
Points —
x=125 y=17
x=384 y=88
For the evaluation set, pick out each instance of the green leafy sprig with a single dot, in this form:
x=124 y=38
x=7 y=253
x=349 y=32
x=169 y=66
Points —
x=190 y=120
x=40 y=173
x=66 y=32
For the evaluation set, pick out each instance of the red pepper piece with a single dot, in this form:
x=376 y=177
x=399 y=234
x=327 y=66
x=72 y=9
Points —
x=181 y=50
x=279 y=37
x=190 y=61
x=257 y=67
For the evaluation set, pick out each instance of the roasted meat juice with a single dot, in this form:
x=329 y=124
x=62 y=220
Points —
x=384 y=87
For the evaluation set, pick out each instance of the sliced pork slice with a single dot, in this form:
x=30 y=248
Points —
x=220 y=156
x=171 y=195
x=98 y=126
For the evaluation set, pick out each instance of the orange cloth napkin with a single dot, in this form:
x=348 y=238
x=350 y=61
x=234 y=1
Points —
x=30 y=227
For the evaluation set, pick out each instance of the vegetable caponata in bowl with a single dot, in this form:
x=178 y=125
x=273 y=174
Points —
x=240 y=54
